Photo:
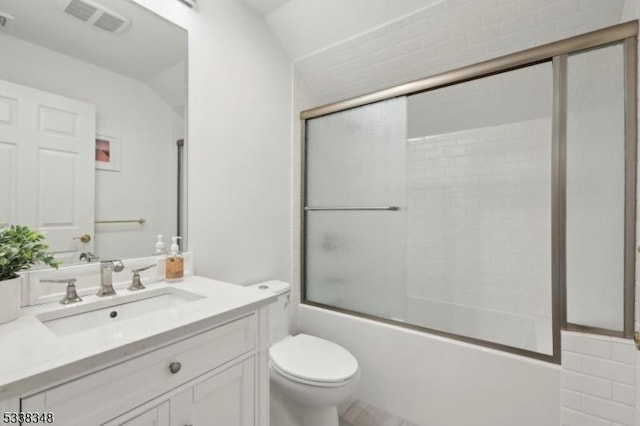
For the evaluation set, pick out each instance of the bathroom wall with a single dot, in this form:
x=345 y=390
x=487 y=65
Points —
x=239 y=141
x=128 y=110
x=450 y=383
x=447 y=35
x=599 y=383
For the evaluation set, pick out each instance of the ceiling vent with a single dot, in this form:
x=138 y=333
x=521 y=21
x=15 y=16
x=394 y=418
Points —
x=95 y=14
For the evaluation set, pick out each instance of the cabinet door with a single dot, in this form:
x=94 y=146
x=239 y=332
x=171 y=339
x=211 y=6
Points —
x=157 y=416
x=226 y=399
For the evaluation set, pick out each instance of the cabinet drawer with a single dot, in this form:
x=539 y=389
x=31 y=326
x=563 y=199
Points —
x=101 y=395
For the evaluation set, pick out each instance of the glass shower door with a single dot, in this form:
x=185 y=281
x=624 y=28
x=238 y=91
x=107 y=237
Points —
x=355 y=215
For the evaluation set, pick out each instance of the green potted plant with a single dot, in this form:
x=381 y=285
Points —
x=20 y=248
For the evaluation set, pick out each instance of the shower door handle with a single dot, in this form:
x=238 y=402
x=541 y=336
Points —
x=393 y=208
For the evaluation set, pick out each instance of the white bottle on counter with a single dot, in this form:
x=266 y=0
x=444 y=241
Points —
x=161 y=256
x=160 y=250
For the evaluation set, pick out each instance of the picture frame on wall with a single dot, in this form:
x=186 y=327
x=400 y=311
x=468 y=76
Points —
x=107 y=153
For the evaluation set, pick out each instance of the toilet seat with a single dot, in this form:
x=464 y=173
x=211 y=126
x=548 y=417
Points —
x=312 y=360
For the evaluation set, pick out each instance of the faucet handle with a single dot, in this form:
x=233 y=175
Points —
x=72 y=294
x=144 y=268
x=116 y=264
x=136 y=284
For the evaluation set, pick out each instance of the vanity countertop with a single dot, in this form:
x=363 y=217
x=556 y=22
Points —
x=33 y=356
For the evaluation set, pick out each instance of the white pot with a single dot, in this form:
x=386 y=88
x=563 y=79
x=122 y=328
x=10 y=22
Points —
x=10 y=298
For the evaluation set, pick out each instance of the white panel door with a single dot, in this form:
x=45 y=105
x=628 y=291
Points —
x=47 y=145
x=10 y=134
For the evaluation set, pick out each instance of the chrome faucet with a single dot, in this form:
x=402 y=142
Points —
x=107 y=267
x=89 y=257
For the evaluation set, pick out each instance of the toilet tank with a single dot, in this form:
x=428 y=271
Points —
x=278 y=312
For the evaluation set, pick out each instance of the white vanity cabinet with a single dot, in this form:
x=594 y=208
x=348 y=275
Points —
x=208 y=378
x=225 y=397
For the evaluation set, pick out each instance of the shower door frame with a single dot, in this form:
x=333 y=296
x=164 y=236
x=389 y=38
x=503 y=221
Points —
x=556 y=53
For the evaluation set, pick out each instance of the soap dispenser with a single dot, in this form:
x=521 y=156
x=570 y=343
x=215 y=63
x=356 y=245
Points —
x=161 y=257
x=160 y=250
x=174 y=265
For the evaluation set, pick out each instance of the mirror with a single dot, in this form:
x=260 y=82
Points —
x=130 y=66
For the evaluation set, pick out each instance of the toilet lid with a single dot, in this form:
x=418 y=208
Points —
x=314 y=359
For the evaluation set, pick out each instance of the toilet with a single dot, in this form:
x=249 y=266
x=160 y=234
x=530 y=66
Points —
x=309 y=376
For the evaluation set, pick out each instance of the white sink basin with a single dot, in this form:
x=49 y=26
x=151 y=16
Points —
x=82 y=317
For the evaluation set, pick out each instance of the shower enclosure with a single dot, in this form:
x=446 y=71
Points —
x=493 y=204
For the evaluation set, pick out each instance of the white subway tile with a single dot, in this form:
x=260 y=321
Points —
x=590 y=4
x=477 y=7
x=610 y=15
x=571 y=399
x=624 y=394
x=434 y=153
x=557 y=10
x=588 y=345
x=609 y=410
x=485 y=34
x=527 y=6
x=499 y=15
x=624 y=352
x=504 y=44
x=607 y=369
x=571 y=361
x=455 y=151
x=466 y=25
x=576 y=418
x=452 y=45
x=515 y=24
x=586 y=384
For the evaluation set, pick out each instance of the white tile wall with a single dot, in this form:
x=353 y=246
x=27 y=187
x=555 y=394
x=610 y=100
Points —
x=598 y=380
x=448 y=35
x=478 y=205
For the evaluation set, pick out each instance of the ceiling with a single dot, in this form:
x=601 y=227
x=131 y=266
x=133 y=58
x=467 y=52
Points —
x=307 y=26
x=146 y=49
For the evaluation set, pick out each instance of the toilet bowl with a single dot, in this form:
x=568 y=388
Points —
x=309 y=376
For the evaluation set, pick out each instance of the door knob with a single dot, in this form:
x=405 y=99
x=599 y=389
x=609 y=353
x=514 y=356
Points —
x=85 y=238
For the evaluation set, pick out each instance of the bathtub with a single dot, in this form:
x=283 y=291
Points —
x=520 y=331
x=434 y=380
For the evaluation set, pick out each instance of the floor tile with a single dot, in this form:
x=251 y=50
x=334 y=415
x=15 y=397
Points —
x=359 y=413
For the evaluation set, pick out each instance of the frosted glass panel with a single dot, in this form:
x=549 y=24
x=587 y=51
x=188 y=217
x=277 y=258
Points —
x=479 y=209
x=357 y=157
x=595 y=188
x=357 y=259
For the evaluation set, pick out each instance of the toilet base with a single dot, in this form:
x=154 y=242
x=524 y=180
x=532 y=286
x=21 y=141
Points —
x=287 y=412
